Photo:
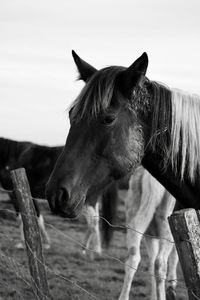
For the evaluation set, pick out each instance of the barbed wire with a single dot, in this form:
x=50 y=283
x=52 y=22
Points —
x=16 y=265
x=126 y=227
x=59 y=275
x=94 y=251
x=119 y=226
x=104 y=255
x=4 y=191
x=135 y=230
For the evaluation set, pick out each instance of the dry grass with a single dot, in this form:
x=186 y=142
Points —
x=102 y=277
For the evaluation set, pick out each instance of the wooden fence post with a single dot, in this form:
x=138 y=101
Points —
x=185 y=228
x=31 y=234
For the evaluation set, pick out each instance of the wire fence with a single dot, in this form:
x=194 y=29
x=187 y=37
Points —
x=20 y=273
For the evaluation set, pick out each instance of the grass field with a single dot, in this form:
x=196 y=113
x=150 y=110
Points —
x=71 y=275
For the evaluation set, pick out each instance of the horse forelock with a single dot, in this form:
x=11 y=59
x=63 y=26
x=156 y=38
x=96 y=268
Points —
x=97 y=94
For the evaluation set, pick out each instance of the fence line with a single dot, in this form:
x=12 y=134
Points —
x=111 y=225
x=114 y=226
x=87 y=248
x=103 y=255
x=94 y=251
x=6 y=191
x=17 y=267
x=61 y=276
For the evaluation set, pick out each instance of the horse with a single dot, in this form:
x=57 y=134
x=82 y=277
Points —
x=122 y=119
x=38 y=161
x=147 y=206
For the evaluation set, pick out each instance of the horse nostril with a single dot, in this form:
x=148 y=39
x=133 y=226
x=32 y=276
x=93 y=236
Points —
x=63 y=196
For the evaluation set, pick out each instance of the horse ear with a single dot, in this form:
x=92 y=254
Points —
x=133 y=75
x=85 y=69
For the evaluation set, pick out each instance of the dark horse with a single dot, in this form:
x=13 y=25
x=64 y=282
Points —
x=38 y=161
x=119 y=120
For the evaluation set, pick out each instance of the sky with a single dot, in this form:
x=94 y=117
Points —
x=37 y=72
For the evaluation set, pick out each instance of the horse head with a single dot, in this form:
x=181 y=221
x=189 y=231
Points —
x=106 y=136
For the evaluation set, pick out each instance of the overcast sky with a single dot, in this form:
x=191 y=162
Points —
x=37 y=73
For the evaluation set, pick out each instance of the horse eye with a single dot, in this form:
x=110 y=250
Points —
x=108 y=119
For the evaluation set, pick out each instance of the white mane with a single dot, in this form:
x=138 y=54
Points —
x=185 y=133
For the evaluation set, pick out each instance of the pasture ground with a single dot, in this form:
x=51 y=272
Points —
x=68 y=267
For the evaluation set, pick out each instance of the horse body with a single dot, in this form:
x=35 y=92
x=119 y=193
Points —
x=38 y=161
x=147 y=207
x=120 y=120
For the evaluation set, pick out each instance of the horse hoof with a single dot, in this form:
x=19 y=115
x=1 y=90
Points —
x=171 y=293
x=19 y=245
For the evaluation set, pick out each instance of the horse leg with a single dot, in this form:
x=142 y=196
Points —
x=165 y=242
x=96 y=236
x=152 y=245
x=87 y=241
x=93 y=234
x=88 y=235
x=47 y=241
x=161 y=268
x=132 y=262
x=172 y=275
x=20 y=244
x=140 y=208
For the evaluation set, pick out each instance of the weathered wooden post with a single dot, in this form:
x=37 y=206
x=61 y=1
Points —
x=31 y=234
x=185 y=228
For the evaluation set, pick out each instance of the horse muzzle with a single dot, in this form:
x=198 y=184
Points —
x=65 y=205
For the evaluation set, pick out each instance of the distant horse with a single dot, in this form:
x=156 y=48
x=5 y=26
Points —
x=119 y=120
x=38 y=161
x=147 y=206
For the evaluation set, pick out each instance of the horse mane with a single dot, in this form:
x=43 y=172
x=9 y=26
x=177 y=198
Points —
x=161 y=116
x=178 y=113
x=185 y=135
x=97 y=94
